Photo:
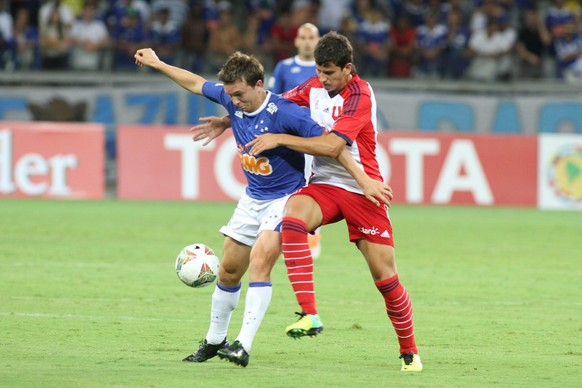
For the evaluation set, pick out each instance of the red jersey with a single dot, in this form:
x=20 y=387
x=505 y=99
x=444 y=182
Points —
x=350 y=114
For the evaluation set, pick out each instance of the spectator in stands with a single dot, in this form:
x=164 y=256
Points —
x=416 y=11
x=303 y=11
x=401 y=48
x=485 y=11
x=455 y=56
x=128 y=36
x=439 y=8
x=556 y=17
x=569 y=53
x=6 y=37
x=349 y=28
x=165 y=36
x=459 y=6
x=224 y=40
x=431 y=41
x=264 y=10
x=117 y=12
x=283 y=34
x=331 y=13
x=89 y=39
x=212 y=10
x=360 y=8
x=66 y=14
x=194 y=39
x=373 y=37
x=532 y=42
x=508 y=39
x=177 y=11
x=27 y=41
x=55 y=44
x=486 y=47
x=253 y=43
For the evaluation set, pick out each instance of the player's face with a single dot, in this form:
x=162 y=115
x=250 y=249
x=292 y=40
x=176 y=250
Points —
x=247 y=98
x=333 y=77
x=305 y=42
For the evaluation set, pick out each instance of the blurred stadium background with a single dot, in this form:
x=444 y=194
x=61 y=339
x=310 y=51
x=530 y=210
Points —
x=483 y=86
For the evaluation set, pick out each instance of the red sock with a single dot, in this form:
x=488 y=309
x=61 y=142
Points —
x=399 y=311
x=299 y=262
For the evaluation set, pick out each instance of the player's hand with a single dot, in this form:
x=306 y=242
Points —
x=377 y=192
x=262 y=143
x=210 y=129
x=145 y=57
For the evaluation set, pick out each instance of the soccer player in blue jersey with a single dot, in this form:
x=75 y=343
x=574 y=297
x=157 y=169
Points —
x=295 y=70
x=252 y=237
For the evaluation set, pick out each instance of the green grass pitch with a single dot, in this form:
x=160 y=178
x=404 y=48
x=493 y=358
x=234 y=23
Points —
x=89 y=298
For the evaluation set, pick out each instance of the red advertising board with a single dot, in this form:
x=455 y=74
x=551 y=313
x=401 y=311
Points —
x=52 y=160
x=164 y=163
x=462 y=169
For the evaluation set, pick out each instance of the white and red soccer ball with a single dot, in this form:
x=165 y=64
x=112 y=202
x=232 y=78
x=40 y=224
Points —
x=197 y=265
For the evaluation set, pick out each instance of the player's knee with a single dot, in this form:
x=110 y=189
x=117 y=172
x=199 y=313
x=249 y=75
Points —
x=230 y=275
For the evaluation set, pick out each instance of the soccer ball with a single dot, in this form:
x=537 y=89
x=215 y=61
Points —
x=197 y=265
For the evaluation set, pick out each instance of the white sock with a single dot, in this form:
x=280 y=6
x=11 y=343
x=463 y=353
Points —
x=224 y=301
x=256 y=304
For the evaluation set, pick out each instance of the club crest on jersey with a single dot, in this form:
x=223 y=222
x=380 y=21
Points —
x=272 y=108
x=336 y=112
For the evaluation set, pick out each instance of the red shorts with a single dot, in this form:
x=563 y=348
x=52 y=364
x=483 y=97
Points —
x=365 y=220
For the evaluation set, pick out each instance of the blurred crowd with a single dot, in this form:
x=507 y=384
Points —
x=485 y=40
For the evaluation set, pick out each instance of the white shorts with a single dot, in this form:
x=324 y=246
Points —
x=252 y=216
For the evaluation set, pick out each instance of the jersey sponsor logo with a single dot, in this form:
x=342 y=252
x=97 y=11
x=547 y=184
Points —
x=239 y=114
x=385 y=234
x=371 y=231
x=336 y=112
x=257 y=166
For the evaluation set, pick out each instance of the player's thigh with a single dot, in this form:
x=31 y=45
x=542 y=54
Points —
x=380 y=258
x=234 y=263
x=306 y=205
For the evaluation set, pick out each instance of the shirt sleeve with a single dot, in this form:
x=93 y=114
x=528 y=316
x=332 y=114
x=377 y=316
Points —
x=297 y=121
x=356 y=113
x=300 y=94
x=215 y=92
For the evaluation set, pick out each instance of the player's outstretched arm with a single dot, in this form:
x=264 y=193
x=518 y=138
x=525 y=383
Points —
x=189 y=81
x=210 y=129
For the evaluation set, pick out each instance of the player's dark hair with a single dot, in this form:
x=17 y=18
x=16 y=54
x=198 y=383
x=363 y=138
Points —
x=334 y=49
x=242 y=67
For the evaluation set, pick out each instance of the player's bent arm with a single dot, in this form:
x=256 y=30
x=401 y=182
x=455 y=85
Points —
x=324 y=145
x=188 y=80
x=374 y=190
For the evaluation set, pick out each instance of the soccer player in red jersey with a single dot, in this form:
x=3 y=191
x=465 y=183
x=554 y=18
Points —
x=345 y=106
